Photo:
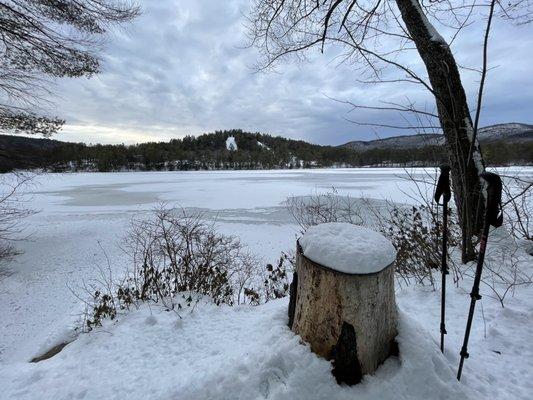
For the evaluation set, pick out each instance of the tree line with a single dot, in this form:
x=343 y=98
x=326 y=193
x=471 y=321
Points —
x=255 y=151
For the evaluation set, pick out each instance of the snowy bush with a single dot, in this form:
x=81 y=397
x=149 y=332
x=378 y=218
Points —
x=415 y=231
x=176 y=253
x=321 y=208
x=276 y=283
x=177 y=258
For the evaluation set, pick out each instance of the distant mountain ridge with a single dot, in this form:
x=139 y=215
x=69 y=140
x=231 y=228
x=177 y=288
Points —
x=510 y=133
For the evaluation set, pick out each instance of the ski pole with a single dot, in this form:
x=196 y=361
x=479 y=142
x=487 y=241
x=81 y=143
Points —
x=443 y=190
x=494 y=217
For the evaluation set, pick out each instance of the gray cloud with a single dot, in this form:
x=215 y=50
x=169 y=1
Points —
x=182 y=68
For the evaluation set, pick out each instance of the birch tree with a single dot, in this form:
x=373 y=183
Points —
x=380 y=36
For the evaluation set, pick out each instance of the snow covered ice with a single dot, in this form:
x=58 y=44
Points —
x=347 y=248
x=227 y=352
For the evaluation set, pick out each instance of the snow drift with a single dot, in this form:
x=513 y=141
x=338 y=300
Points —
x=222 y=353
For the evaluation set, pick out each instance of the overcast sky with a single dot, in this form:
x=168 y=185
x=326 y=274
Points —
x=183 y=68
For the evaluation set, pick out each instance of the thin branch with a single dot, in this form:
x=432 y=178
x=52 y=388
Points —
x=482 y=83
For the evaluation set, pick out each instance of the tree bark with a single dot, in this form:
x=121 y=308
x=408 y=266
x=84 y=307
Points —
x=349 y=319
x=455 y=119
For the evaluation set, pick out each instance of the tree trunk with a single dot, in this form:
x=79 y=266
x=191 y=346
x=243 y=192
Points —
x=455 y=120
x=347 y=318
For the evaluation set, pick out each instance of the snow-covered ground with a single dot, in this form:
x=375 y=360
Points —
x=239 y=352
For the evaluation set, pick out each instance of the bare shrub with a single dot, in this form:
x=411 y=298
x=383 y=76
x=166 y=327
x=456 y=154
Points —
x=274 y=281
x=518 y=207
x=177 y=252
x=504 y=271
x=416 y=234
x=415 y=231
x=323 y=207
x=176 y=258
x=12 y=213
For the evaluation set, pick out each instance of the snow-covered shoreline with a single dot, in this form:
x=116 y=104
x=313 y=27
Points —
x=79 y=211
x=222 y=353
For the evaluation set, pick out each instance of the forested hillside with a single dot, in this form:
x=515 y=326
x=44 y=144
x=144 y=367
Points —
x=211 y=151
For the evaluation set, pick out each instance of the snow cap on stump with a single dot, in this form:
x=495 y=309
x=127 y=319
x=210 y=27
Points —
x=347 y=248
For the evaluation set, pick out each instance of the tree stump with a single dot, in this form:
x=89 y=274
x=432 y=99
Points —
x=342 y=298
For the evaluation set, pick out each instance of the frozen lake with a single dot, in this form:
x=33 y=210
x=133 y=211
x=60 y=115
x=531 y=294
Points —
x=82 y=217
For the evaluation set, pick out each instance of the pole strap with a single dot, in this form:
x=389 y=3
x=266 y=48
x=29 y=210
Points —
x=464 y=353
x=475 y=296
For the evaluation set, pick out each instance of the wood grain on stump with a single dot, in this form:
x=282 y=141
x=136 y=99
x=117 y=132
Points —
x=350 y=319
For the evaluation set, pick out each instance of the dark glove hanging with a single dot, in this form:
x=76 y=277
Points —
x=443 y=185
x=494 y=198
